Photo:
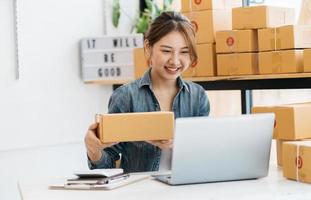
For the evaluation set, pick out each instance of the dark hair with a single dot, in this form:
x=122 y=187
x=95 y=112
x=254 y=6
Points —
x=172 y=21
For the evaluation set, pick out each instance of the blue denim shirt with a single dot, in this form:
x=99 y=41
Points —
x=138 y=96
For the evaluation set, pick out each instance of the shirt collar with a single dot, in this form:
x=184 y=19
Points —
x=146 y=80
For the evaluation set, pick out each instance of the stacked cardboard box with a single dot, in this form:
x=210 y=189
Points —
x=281 y=48
x=296 y=158
x=307 y=60
x=207 y=17
x=237 y=49
x=292 y=128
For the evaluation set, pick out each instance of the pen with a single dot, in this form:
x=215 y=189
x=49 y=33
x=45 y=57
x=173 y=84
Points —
x=117 y=178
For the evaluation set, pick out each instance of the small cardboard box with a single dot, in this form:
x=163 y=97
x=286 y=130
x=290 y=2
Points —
x=292 y=121
x=257 y=17
x=125 y=127
x=140 y=62
x=197 y=5
x=283 y=61
x=207 y=22
x=206 y=65
x=296 y=158
x=237 y=64
x=236 y=41
x=285 y=37
x=307 y=60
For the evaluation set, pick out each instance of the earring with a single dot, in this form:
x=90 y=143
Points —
x=194 y=64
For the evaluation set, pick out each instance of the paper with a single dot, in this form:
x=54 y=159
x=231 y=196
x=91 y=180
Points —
x=98 y=173
x=131 y=179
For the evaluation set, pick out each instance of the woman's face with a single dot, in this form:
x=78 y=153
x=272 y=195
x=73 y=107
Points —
x=170 y=56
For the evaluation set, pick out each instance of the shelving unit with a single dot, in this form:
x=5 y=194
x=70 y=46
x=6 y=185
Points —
x=251 y=82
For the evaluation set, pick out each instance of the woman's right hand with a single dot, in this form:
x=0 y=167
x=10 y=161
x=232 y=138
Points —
x=93 y=145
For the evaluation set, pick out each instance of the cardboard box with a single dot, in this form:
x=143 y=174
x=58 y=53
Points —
x=297 y=160
x=207 y=22
x=206 y=65
x=125 y=127
x=197 y=5
x=279 y=151
x=257 y=17
x=237 y=64
x=285 y=37
x=284 y=61
x=140 y=62
x=236 y=41
x=307 y=60
x=292 y=121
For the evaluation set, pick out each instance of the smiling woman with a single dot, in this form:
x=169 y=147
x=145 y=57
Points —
x=170 y=49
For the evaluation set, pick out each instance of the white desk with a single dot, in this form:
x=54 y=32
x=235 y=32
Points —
x=272 y=187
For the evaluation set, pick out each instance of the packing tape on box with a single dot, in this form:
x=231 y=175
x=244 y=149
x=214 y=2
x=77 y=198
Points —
x=275 y=42
x=297 y=161
x=276 y=61
x=233 y=68
x=190 y=5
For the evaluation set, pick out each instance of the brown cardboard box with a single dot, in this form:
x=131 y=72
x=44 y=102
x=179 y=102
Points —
x=196 y=5
x=285 y=37
x=207 y=22
x=125 y=127
x=292 y=121
x=237 y=64
x=279 y=150
x=236 y=41
x=284 y=61
x=307 y=60
x=297 y=160
x=206 y=65
x=140 y=63
x=256 y=17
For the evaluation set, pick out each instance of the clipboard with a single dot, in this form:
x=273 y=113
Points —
x=108 y=186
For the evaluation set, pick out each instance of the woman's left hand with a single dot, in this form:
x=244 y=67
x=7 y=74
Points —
x=162 y=144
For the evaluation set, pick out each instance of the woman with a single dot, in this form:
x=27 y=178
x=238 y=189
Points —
x=170 y=50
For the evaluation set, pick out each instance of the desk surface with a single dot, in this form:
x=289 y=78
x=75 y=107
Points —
x=272 y=187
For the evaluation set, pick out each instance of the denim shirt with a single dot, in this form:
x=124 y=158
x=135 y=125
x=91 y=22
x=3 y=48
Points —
x=191 y=100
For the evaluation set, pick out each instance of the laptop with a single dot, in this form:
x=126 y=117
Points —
x=210 y=149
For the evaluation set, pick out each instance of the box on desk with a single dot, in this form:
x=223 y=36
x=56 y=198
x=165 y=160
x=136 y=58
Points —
x=237 y=64
x=196 y=5
x=207 y=22
x=206 y=65
x=285 y=37
x=292 y=121
x=256 y=17
x=236 y=41
x=283 y=61
x=279 y=151
x=296 y=158
x=125 y=127
x=307 y=60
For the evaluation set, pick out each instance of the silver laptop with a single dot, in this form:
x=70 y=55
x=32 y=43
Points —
x=220 y=149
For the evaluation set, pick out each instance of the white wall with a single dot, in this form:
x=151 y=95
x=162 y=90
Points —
x=44 y=115
x=49 y=104
x=286 y=3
